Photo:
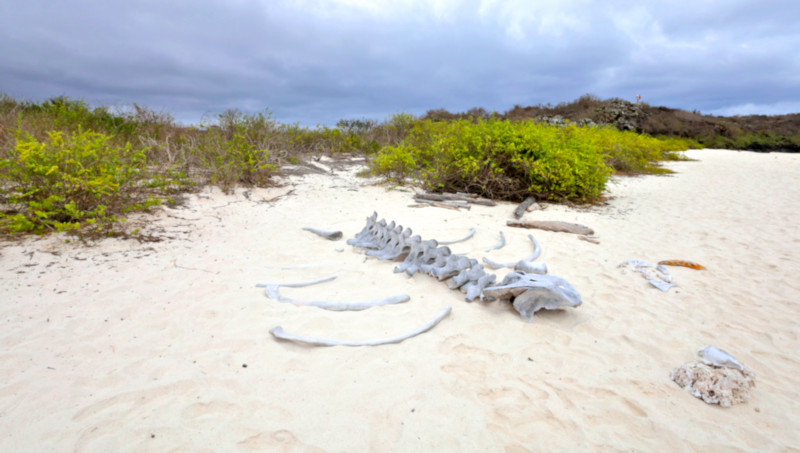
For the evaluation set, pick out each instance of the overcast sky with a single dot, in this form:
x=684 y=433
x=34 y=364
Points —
x=318 y=61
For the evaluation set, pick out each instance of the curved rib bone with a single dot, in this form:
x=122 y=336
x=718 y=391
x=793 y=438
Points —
x=329 y=235
x=279 y=333
x=471 y=233
x=499 y=244
x=272 y=291
x=537 y=251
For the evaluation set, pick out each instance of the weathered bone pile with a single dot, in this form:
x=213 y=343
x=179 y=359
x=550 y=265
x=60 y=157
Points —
x=528 y=292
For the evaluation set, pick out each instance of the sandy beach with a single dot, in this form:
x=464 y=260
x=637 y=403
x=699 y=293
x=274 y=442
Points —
x=165 y=346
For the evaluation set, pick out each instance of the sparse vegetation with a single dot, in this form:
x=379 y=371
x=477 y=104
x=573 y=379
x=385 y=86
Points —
x=752 y=132
x=66 y=166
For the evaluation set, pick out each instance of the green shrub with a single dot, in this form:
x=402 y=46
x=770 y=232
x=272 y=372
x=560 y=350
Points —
x=233 y=161
x=75 y=180
x=513 y=160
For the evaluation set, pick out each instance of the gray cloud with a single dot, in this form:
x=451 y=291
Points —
x=319 y=61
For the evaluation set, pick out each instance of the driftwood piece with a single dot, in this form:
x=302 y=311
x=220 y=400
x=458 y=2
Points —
x=329 y=235
x=454 y=197
x=447 y=204
x=273 y=292
x=278 y=332
x=684 y=263
x=593 y=240
x=552 y=225
x=520 y=211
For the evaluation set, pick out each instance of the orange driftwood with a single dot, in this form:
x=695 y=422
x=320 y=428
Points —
x=683 y=263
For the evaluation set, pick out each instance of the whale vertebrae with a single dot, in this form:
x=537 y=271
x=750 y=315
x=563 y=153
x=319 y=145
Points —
x=528 y=292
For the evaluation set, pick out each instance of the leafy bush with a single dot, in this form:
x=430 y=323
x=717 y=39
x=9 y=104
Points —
x=514 y=160
x=74 y=180
x=496 y=158
x=755 y=141
x=232 y=161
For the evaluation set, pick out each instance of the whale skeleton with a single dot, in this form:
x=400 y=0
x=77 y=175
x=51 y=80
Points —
x=528 y=288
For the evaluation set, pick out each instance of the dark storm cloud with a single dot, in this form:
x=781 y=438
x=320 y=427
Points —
x=319 y=61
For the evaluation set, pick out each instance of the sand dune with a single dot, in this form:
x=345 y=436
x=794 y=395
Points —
x=164 y=346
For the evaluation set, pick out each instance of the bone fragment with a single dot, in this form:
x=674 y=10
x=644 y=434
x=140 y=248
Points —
x=500 y=244
x=273 y=292
x=664 y=279
x=279 y=333
x=662 y=286
x=714 y=356
x=465 y=238
x=531 y=267
x=520 y=211
x=329 y=235
x=554 y=225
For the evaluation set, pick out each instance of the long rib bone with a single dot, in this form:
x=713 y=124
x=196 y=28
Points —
x=279 y=333
x=272 y=291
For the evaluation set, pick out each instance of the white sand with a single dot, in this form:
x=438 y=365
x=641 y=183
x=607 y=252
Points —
x=142 y=347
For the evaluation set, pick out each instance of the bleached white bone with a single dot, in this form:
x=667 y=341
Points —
x=499 y=244
x=272 y=291
x=465 y=238
x=279 y=333
x=664 y=281
x=530 y=267
x=329 y=235
x=537 y=251
x=714 y=356
x=419 y=251
x=537 y=290
x=531 y=293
